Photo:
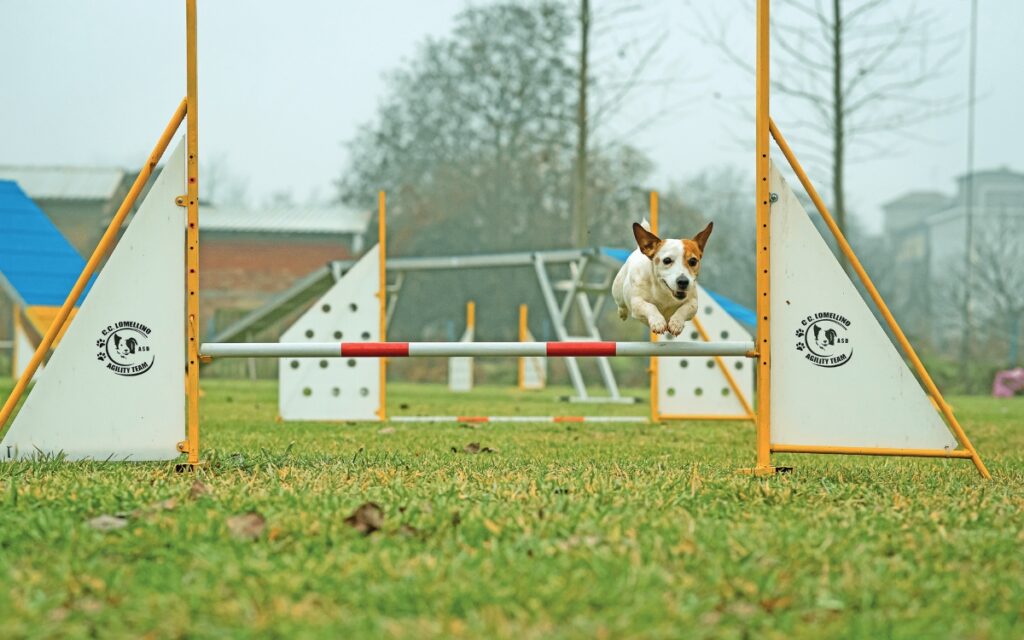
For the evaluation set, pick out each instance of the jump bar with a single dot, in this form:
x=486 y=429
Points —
x=465 y=349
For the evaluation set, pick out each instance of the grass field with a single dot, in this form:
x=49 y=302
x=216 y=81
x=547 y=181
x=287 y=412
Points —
x=603 y=531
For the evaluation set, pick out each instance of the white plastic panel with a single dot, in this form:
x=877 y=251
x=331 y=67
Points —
x=460 y=369
x=696 y=385
x=535 y=370
x=114 y=387
x=837 y=379
x=335 y=389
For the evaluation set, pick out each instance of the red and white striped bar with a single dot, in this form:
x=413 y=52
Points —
x=467 y=349
x=519 y=419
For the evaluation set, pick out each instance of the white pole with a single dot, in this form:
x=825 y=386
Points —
x=483 y=349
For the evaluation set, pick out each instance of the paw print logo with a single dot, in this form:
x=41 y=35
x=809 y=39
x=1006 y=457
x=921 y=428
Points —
x=799 y=333
x=101 y=356
x=800 y=346
x=101 y=343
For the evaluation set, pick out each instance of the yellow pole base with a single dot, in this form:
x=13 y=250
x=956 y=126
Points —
x=764 y=471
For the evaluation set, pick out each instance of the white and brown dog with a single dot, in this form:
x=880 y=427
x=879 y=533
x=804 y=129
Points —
x=659 y=280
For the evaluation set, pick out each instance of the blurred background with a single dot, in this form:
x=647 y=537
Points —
x=523 y=126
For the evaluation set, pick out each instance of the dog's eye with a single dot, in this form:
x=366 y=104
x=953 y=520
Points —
x=667 y=260
x=693 y=262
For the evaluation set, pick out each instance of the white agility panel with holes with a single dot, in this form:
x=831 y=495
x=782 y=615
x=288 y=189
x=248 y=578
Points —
x=460 y=368
x=698 y=387
x=331 y=389
x=533 y=370
x=114 y=388
x=837 y=379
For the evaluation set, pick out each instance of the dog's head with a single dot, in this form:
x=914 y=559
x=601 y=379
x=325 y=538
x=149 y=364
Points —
x=676 y=263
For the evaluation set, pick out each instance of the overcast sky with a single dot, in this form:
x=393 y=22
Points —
x=283 y=84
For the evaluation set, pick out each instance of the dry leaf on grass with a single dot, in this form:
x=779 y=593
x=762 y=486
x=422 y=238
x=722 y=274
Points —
x=247 y=526
x=366 y=519
x=474 y=447
x=107 y=522
x=386 y=430
x=198 y=489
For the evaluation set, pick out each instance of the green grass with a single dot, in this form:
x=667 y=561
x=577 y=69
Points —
x=565 y=531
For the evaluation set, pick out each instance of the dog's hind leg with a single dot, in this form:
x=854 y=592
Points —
x=618 y=294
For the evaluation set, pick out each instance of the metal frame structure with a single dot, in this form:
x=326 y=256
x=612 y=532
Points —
x=766 y=129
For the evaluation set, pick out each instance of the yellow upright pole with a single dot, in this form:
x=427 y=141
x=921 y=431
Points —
x=763 y=210
x=523 y=333
x=382 y=295
x=470 y=315
x=652 y=209
x=191 y=444
x=106 y=242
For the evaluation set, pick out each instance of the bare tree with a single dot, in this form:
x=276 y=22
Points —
x=862 y=68
x=998 y=268
x=628 y=40
x=579 y=182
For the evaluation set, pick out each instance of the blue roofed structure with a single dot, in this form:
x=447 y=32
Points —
x=38 y=266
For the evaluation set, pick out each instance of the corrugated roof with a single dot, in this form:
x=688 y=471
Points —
x=36 y=261
x=290 y=219
x=66 y=183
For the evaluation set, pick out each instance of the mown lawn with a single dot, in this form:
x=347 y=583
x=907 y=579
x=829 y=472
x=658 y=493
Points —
x=603 y=531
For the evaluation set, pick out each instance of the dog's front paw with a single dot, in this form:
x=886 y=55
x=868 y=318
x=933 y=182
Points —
x=675 y=326
x=658 y=326
x=623 y=313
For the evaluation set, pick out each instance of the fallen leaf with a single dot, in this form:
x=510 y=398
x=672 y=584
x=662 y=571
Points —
x=247 y=526
x=772 y=604
x=474 y=447
x=492 y=526
x=107 y=522
x=198 y=489
x=366 y=519
x=386 y=430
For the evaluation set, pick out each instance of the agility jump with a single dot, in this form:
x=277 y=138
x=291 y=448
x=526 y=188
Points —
x=829 y=380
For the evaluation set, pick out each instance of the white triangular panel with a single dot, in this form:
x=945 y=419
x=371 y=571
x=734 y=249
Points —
x=535 y=370
x=114 y=387
x=697 y=386
x=460 y=369
x=336 y=389
x=836 y=378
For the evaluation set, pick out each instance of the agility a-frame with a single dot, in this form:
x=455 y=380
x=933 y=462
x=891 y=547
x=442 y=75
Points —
x=828 y=378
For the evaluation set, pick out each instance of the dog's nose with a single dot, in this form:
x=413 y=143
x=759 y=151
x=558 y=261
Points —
x=683 y=282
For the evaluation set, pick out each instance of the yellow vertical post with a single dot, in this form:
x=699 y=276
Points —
x=470 y=315
x=382 y=295
x=192 y=232
x=523 y=333
x=652 y=209
x=763 y=210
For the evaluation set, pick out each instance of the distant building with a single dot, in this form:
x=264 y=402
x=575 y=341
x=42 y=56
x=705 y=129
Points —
x=79 y=200
x=927 y=233
x=249 y=254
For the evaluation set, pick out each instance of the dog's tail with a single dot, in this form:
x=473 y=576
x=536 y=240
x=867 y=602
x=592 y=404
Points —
x=646 y=224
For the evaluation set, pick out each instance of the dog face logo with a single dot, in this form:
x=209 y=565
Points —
x=124 y=348
x=824 y=340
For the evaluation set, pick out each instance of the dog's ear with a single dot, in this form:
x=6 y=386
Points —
x=647 y=241
x=702 y=238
